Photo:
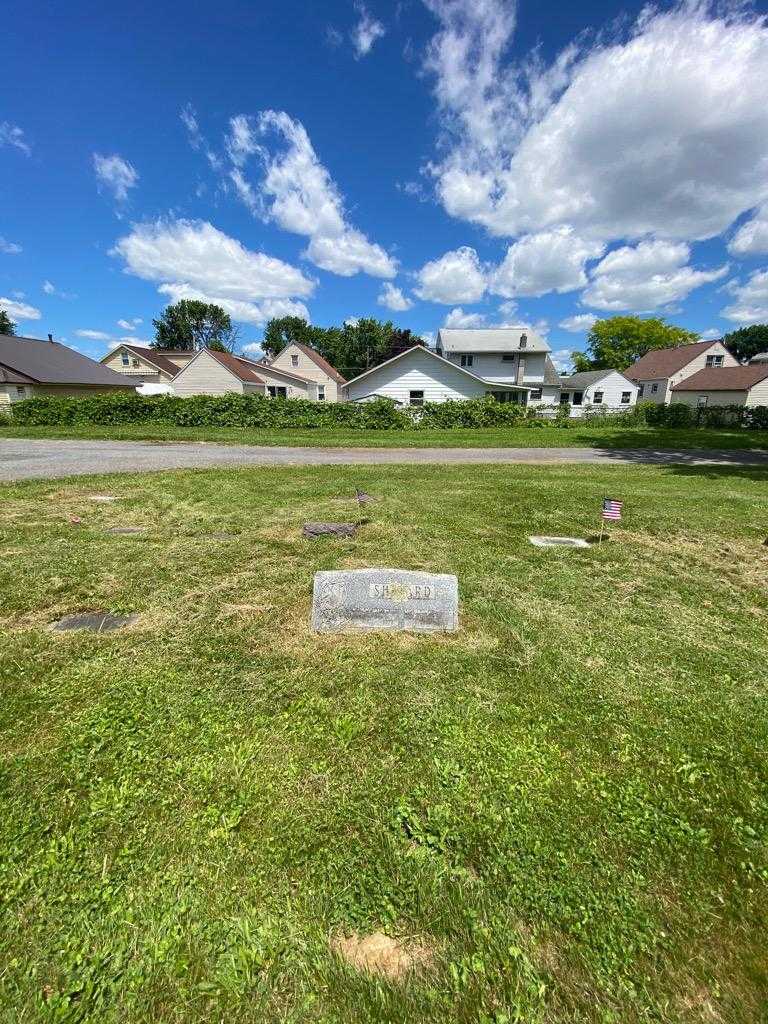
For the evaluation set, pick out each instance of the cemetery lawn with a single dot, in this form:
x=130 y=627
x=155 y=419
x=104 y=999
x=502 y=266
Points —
x=549 y=436
x=560 y=812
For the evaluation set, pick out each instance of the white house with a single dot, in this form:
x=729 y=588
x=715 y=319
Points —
x=221 y=373
x=303 y=360
x=509 y=364
x=598 y=390
x=659 y=371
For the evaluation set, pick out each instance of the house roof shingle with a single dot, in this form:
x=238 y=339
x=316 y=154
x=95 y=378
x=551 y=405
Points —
x=158 y=359
x=243 y=369
x=663 y=362
x=724 y=378
x=490 y=339
x=49 y=362
x=578 y=381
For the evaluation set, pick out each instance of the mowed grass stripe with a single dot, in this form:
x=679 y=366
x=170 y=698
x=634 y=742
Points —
x=565 y=803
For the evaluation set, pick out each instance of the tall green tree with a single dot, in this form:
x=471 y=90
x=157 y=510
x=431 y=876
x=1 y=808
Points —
x=191 y=324
x=618 y=341
x=747 y=341
x=7 y=326
x=356 y=346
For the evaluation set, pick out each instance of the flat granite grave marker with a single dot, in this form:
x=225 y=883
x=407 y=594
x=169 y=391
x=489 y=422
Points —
x=558 y=542
x=311 y=530
x=392 y=599
x=99 y=622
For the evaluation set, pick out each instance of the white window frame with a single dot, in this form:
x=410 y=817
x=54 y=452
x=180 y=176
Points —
x=536 y=395
x=714 y=361
x=321 y=392
x=597 y=398
x=626 y=398
x=294 y=360
x=702 y=401
x=126 y=359
x=418 y=400
x=654 y=388
x=466 y=359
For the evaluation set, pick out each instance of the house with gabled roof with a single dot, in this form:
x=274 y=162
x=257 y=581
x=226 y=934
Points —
x=220 y=373
x=147 y=365
x=659 y=371
x=507 y=364
x=30 y=367
x=598 y=391
x=726 y=385
x=303 y=360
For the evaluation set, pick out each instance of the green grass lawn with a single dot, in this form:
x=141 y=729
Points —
x=578 y=436
x=564 y=806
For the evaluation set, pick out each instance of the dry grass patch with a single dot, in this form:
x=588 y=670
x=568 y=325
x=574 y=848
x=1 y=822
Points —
x=380 y=954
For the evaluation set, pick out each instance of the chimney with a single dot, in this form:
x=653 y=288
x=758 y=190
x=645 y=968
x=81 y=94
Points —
x=50 y=337
x=520 y=369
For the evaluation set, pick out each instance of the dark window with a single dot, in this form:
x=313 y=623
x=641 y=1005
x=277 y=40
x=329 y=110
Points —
x=536 y=394
x=126 y=359
x=626 y=397
x=20 y=391
x=577 y=397
x=523 y=340
x=466 y=359
x=702 y=400
x=714 y=360
x=416 y=398
x=515 y=397
x=135 y=362
x=598 y=398
x=564 y=398
x=294 y=360
x=276 y=392
x=654 y=388
x=508 y=357
x=321 y=392
x=640 y=390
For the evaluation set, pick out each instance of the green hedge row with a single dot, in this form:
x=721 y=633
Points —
x=280 y=414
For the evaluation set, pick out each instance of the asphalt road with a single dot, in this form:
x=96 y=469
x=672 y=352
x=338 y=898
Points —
x=22 y=459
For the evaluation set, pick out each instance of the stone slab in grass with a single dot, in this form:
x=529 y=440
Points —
x=126 y=531
x=98 y=622
x=559 y=542
x=104 y=498
x=329 y=530
x=388 y=599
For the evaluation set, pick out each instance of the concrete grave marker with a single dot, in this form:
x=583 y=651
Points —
x=558 y=542
x=99 y=622
x=391 y=599
x=102 y=497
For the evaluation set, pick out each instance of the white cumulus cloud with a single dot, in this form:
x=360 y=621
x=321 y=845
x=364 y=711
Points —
x=12 y=135
x=19 y=310
x=752 y=238
x=394 y=298
x=750 y=305
x=297 y=193
x=661 y=131
x=550 y=261
x=456 y=276
x=578 y=324
x=115 y=174
x=94 y=335
x=459 y=319
x=247 y=312
x=365 y=33
x=645 y=277
x=130 y=325
x=197 y=254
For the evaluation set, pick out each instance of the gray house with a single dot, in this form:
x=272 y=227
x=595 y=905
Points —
x=30 y=367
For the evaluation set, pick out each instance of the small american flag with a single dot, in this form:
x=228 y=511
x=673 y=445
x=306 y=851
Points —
x=612 y=508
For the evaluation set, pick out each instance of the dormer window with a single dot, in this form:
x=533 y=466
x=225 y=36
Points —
x=294 y=360
x=523 y=340
x=126 y=359
x=714 y=361
x=466 y=359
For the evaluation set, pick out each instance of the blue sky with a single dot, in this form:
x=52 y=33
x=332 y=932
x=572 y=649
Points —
x=437 y=162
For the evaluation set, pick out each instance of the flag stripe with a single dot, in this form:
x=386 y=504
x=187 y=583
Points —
x=612 y=508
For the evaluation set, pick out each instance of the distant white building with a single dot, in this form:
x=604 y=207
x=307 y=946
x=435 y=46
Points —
x=510 y=364
x=598 y=391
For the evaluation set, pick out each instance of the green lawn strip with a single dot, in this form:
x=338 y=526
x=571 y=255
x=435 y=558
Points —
x=546 y=436
x=566 y=802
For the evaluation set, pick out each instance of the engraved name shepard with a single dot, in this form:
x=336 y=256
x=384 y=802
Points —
x=394 y=599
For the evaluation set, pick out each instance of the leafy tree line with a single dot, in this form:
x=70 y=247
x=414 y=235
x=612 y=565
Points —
x=618 y=341
x=7 y=326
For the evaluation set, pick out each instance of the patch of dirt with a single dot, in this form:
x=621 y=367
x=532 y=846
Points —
x=380 y=954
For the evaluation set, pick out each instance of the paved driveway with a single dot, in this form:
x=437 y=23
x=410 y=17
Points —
x=22 y=459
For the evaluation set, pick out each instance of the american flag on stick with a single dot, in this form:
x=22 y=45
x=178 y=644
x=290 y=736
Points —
x=612 y=508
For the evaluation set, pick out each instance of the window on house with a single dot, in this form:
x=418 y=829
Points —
x=626 y=397
x=654 y=388
x=577 y=397
x=564 y=398
x=640 y=390
x=702 y=400
x=126 y=359
x=294 y=360
x=714 y=361
x=276 y=392
x=508 y=357
x=21 y=391
x=321 y=392
x=135 y=362
x=535 y=395
x=597 y=399
x=523 y=340
x=416 y=398
x=466 y=359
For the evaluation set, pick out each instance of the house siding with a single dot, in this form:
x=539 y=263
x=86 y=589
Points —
x=713 y=398
x=204 y=375
x=143 y=372
x=306 y=367
x=417 y=371
x=294 y=388
x=664 y=393
x=612 y=386
x=491 y=366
